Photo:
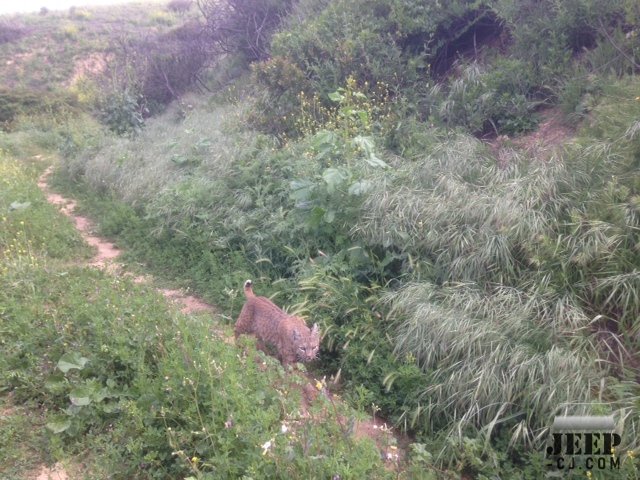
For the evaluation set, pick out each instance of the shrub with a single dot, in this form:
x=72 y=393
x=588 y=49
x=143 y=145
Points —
x=578 y=95
x=13 y=103
x=276 y=110
x=243 y=26
x=158 y=68
x=330 y=50
x=162 y=18
x=17 y=102
x=174 y=63
x=547 y=33
x=79 y=14
x=11 y=32
x=123 y=112
x=70 y=31
x=617 y=53
x=180 y=6
x=490 y=102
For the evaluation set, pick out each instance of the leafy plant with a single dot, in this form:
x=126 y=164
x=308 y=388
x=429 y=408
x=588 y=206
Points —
x=123 y=112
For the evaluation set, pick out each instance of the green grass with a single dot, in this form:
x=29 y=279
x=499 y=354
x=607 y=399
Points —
x=464 y=296
x=30 y=225
x=105 y=366
x=23 y=438
x=509 y=263
x=72 y=37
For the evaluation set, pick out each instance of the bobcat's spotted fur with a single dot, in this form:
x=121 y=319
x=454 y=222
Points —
x=294 y=341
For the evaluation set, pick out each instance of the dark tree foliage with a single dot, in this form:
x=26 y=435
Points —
x=243 y=26
x=173 y=63
x=159 y=68
x=180 y=6
x=10 y=32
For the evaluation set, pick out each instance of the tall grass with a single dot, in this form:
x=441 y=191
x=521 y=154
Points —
x=516 y=268
x=164 y=154
x=459 y=211
x=150 y=393
x=501 y=277
x=493 y=357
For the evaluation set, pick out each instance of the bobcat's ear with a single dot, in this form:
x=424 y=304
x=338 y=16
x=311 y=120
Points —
x=295 y=335
x=315 y=330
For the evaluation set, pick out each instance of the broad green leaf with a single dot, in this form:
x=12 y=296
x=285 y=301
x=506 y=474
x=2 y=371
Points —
x=316 y=216
x=365 y=143
x=110 y=407
x=333 y=178
x=301 y=190
x=72 y=360
x=18 y=206
x=347 y=111
x=323 y=137
x=324 y=143
x=329 y=216
x=81 y=396
x=58 y=425
x=376 y=162
x=358 y=255
x=360 y=187
x=73 y=410
x=55 y=383
x=101 y=394
x=336 y=96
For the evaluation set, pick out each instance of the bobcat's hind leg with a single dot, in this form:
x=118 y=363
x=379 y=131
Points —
x=261 y=346
x=244 y=322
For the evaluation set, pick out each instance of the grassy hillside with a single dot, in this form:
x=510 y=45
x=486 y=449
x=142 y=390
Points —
x=450 y=191
x=99 y=372
x=53 y=50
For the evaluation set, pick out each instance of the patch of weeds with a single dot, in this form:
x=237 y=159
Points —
x=30 y=227
x=497 y=100
x=11 y=32
x=23 y=439
x=117 y=373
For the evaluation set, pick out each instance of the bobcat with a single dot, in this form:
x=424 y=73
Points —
x=294 y=341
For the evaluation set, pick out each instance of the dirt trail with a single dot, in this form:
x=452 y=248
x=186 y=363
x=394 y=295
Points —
x=57 y=472
x=107 y=252
x=392 y=445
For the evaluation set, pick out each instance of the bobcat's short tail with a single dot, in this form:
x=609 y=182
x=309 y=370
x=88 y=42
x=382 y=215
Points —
x=248 y=289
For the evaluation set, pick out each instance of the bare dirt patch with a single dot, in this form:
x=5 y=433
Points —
x=391 y=444
x=190 y=304
x=551 y=134
x=56 y=472
x=106 y=251
x=90 y=66
x=6 y=412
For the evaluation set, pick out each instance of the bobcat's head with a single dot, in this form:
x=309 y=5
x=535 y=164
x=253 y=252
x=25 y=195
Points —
x=306 y=343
